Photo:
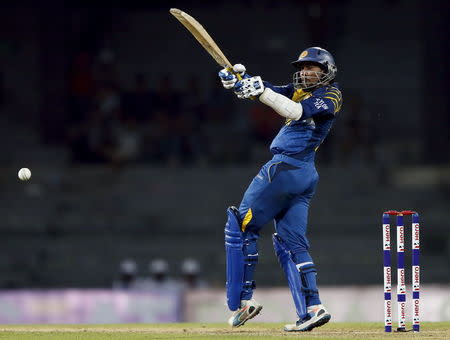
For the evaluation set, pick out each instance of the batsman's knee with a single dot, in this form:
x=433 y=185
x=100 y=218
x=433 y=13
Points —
x=233 y=233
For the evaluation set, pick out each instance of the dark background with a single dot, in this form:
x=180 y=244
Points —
x=136 y=150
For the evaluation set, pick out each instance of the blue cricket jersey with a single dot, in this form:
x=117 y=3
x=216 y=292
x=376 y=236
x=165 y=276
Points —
x=300 y=139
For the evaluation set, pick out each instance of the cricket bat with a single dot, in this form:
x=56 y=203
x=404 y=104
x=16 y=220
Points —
x=203 y=38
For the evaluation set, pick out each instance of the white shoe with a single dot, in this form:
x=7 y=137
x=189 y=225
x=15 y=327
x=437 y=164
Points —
x=249 y=309
x=317 y=316
x=314 y=309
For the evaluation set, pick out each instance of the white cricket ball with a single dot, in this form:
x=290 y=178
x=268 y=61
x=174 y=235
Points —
x=24 y=174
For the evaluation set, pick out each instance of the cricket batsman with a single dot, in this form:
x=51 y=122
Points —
x=283 y=188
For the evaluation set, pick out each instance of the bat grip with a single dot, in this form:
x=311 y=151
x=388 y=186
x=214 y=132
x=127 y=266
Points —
x=230 y=69
x=238 y=76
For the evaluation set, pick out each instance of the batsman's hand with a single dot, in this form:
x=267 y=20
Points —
x=229 y=78
x=249 y=88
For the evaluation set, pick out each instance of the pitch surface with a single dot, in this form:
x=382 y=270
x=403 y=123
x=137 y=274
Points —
x=262 y=331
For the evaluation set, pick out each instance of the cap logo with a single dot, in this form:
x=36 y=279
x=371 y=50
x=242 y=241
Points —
x=303 y=54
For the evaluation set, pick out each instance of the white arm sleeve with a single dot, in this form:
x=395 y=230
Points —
x=281 y=104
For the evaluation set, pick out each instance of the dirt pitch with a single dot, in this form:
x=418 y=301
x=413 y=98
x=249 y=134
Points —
x=177 y=331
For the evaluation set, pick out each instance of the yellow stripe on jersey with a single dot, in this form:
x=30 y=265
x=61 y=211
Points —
x=334 y=94
x=247 y=219
x=300 y=95
x=332 y=88
x=335 y=90
x=335 y=103
x=336 y=97
x=334 y=100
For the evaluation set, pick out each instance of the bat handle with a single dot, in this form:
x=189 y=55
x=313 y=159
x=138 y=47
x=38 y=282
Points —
x=238 y=76
x=230 y=69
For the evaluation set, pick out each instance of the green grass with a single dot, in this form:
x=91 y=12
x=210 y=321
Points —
x=261 y=331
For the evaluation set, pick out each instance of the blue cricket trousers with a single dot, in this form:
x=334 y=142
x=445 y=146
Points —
x=282 y=191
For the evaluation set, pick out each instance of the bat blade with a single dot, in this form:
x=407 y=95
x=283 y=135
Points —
x=202 y=36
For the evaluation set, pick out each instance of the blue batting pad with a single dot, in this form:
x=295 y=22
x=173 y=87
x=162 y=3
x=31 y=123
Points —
x=235 y=259
x=292 y=275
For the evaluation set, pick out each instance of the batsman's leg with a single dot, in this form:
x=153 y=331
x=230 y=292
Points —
x=234 y=258
x=291 y=273
x=263 y=199
x=291 y=228
x=242 y=257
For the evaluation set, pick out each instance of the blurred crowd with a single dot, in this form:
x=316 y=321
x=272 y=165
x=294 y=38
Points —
x=158 y=276
x=150 y=122
x=158 y=122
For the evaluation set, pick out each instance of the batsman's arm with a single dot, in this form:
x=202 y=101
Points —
x=285 y=90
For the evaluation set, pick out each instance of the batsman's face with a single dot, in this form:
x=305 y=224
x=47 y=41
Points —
x=310 y=74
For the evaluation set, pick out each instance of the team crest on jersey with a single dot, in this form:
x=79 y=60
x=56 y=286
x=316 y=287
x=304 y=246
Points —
x=303 y=54
x=320 y=104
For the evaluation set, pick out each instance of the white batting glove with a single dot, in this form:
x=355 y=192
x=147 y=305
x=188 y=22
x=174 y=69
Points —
x=229 y=79
x=239 y=68
x=249 y=87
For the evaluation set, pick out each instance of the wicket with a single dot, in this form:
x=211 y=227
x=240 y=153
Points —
x=401 y=285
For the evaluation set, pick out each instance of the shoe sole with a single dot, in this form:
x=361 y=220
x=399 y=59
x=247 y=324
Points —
x=322 y=321
x=250 y=316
